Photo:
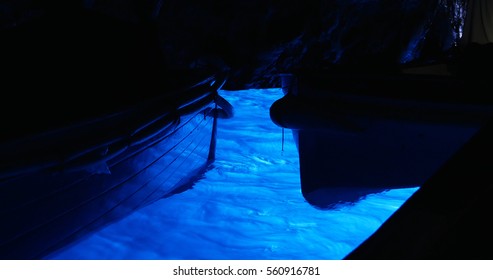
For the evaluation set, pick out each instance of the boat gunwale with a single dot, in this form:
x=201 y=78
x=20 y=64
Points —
x=39 y=152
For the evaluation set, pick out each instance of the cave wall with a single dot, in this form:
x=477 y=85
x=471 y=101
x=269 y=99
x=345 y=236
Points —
x=258 y=39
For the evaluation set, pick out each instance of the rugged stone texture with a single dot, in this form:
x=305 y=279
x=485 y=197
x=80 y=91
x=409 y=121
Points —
x=259 y=39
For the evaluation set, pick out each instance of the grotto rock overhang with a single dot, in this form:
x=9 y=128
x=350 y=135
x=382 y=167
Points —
x=258 y=39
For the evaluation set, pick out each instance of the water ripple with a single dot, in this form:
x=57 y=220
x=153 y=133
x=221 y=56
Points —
x=248 y=206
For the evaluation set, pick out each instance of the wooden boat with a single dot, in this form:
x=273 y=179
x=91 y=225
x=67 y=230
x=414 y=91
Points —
x=365 y=128
x=364 y=131
x=95 y=129
x=58 y=185
x=444 y=219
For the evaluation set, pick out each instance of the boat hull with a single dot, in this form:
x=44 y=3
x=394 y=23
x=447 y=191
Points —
x=351 y=145
x=49 y=201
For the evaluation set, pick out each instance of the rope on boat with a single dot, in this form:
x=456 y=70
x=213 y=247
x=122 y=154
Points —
x=282 y=144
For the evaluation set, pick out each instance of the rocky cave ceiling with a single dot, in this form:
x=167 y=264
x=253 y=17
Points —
x=259 y=39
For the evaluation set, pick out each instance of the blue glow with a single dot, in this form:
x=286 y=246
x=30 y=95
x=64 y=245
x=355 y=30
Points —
x=248 y=206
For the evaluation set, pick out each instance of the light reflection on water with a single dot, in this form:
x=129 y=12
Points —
x=248 y=206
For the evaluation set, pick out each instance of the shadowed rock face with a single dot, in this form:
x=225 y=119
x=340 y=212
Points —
x=258 y=39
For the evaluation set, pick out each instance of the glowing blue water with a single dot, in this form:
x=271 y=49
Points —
x=249 y=206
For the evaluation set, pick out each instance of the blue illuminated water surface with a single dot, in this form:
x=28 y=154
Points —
x=248 y=206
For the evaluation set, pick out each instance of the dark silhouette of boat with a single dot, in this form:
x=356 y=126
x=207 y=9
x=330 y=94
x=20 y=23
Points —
x=362 y=129
x=94 y=126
